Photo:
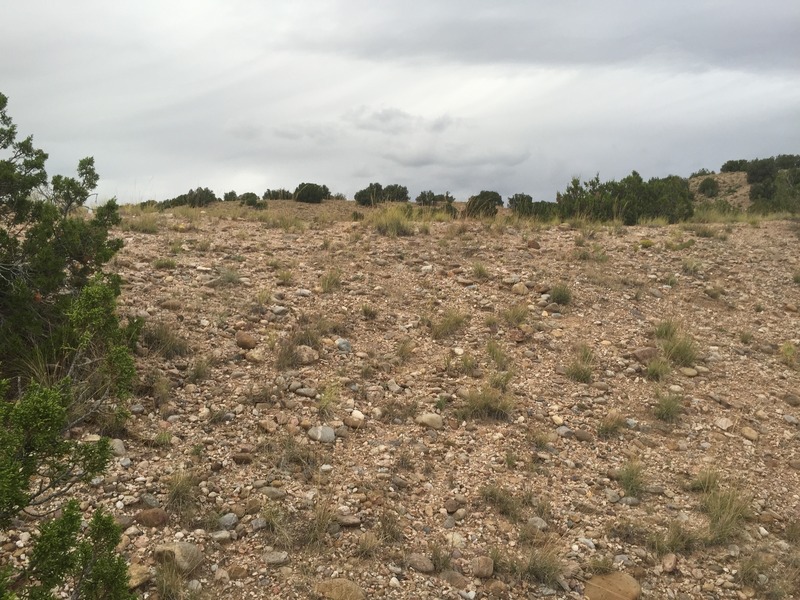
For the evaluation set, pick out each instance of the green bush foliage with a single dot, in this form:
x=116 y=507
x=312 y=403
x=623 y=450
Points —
x=311 y=193
x=70 y=361
x=437 y=202
x=195 y=198
x=483 y=204
x=375 y=194
x=279 y=194
x=230 y=196
x=709 y=187
x=734 y=166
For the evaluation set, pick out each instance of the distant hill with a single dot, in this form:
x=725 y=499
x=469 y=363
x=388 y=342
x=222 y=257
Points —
x=733 y=189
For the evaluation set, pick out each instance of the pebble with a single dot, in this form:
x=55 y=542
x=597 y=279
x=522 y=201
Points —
x=323 y=434
x=431 y=420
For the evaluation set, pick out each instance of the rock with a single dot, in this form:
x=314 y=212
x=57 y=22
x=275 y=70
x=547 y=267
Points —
x=152 y=517
x=324 y=434
x=792 y=400
x=348 y=520
x=583 y=436
x=245 y=340
x=688 y=372
x=138 y=575
x=276 y=557
x=117 y=447
x=669 y=562
x=274 y=493
x=354 y=420
x=242 y=458
x=228 y=521
x=482 y=566
x=306 y=355
x=645 y=355
x=614 y=586
x=565 y=432
x=749 y=434
x=343 y=346
x=519 y=288
x=724 y=423
x=237 y=572
x=496 y=589
x=537 y=523
x=420 y=563
x=431 y=420
x=455 y=579
x=339 y=589
x=184 y=556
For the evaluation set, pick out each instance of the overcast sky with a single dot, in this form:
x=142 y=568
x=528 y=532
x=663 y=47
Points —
x=458 y=95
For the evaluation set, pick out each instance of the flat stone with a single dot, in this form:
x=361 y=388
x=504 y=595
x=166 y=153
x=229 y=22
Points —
x=519 y=288
x=792 y=400
x=482 y=566
x=228 y=521
x=749 y=434
x=431 y=420
x=420 y=562
x=306 y=355
x=669 y=563
x=184 y=556
x=583 y=436
x=339 y=589
x=723 y=423
x=645 y=355
x=323 y=434
x=138 y=575
x=688 y=372
x=348 y=520
x=614 y=586
x=276 y=557
x=117 y=447
x=242 y=458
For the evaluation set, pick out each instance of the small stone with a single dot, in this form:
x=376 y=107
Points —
x=519 y=288
x=688 y=372
x=237 y=572
x=583 y=436
x=431 y=420
x=276 y=557
x=152 y=517
x=669 y=562
x=420 y=563
x=482 y=566
x=645 y=355
x=455 y=579
x=339 y=589
x=724 y=423
x=537 y=523
x=274 y=493
x=749 y=433
x=792 y=400
x=245 y=340
x=348 y=520
x=184 y=556
x=324 y=434
x=228 y=521
x=564 y=432
x=117 y=447
x=614 y=586
x=306 y=355
x=138 y=575
x=343 y=346
x=242 y=458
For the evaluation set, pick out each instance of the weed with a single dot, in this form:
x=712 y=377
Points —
x=541 y=564
x=146 y=223
x=680 y=350
x=503 y=501
x=164 y=263
x=516 y=315
x=601 y=565
x=314 y=529
x=440 y=558
x=331 y=281
x=645 y=243
x=285 y=277
x=631 y=478
x=705 y=482
x=182 y=493
x=199 y=371
x=162 y=439
x=796 y=277
x=276 y=523
x=368 y=545
x=746 y=337
x=580 y=369
x=162 y=339
x=486 y=403
x=169 y=582
x=497 y=355
x=451 y=321
x=405 y=349
x=328 y=400
x=500 y=381
x=610 y=425
x=657 y=369
x=691 y=266
x=668 y=408
x=678 y=539
x=666 y=329
x=369 y=312
x=390 y=528
x=788 y=354
x=726 y=510
x=479 y=271
x=713 y=292
x=392 y=221
x=561 y=294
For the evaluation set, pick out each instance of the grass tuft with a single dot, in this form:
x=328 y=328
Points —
x=450 y=322
x=561 y=294
x=487 y=403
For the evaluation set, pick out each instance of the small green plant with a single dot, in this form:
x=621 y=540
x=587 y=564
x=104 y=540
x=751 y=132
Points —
x=601 y=565
x=515 y=315
x=479 y=271
x=314 y=529
x=645 y=243
x=276 y=523
x=631 y=478
x=746 y=337
x=503 y=500
x=390 y=528
x=405 y=350
x=500 y=381
x=369 y=312
x=285 y=277
x=170 y=583
x=161 y=338
x=497 y=355
x=328 y=400
x=486 y=403
x=229 y=277
x=727 y=510
x=182 y=493
x=680 y=350
x=678 y=539
x=713 y=292
x=164 y=263
x=666 y=329
x=796 y=277
x=440 y=558
x=450 y=322
x=788 y=354
x=668 y=408
x=610 y=425
x=147 y=223
x=561 y=294
x=691 y=266
x=580 y=369
x=392 y=221
x=331 y=281
x=199 y=371
x=705 y=482
x=162 y=439
x=368 y=545
x=657 y=369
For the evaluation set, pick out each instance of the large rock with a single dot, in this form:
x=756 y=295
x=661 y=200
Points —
x=245 y=340
x=431 y=420
x=184 y=556
x=614 y=586
x=645 y=355
x=339 y=589
x=420 y=562
x=306 y=355
x=152 y=517
x=138 y=575
x=323 y=434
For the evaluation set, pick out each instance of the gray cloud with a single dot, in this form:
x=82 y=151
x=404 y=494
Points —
x=514 y=96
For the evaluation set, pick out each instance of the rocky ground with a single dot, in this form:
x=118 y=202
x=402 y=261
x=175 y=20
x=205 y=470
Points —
x=479 y=410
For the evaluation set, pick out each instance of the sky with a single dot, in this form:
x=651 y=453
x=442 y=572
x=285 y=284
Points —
x=450 y=95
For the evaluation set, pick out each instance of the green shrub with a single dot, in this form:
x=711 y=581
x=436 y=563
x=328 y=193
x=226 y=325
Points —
x=311 y=193
x=450 y=322
x=709 y=187
x=561 y=294
x=483 y=205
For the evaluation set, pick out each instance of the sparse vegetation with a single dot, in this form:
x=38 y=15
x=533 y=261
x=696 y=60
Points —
x=331 y=281
x=561 y=294
x=668 y=407
x=449 y=323
x=160 y=337
x=631 y=478
x=580 y=369
x=658 y=368
x=486 y=403
x=726 y=510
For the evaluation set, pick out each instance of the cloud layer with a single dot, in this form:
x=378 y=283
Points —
x=461 y=96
